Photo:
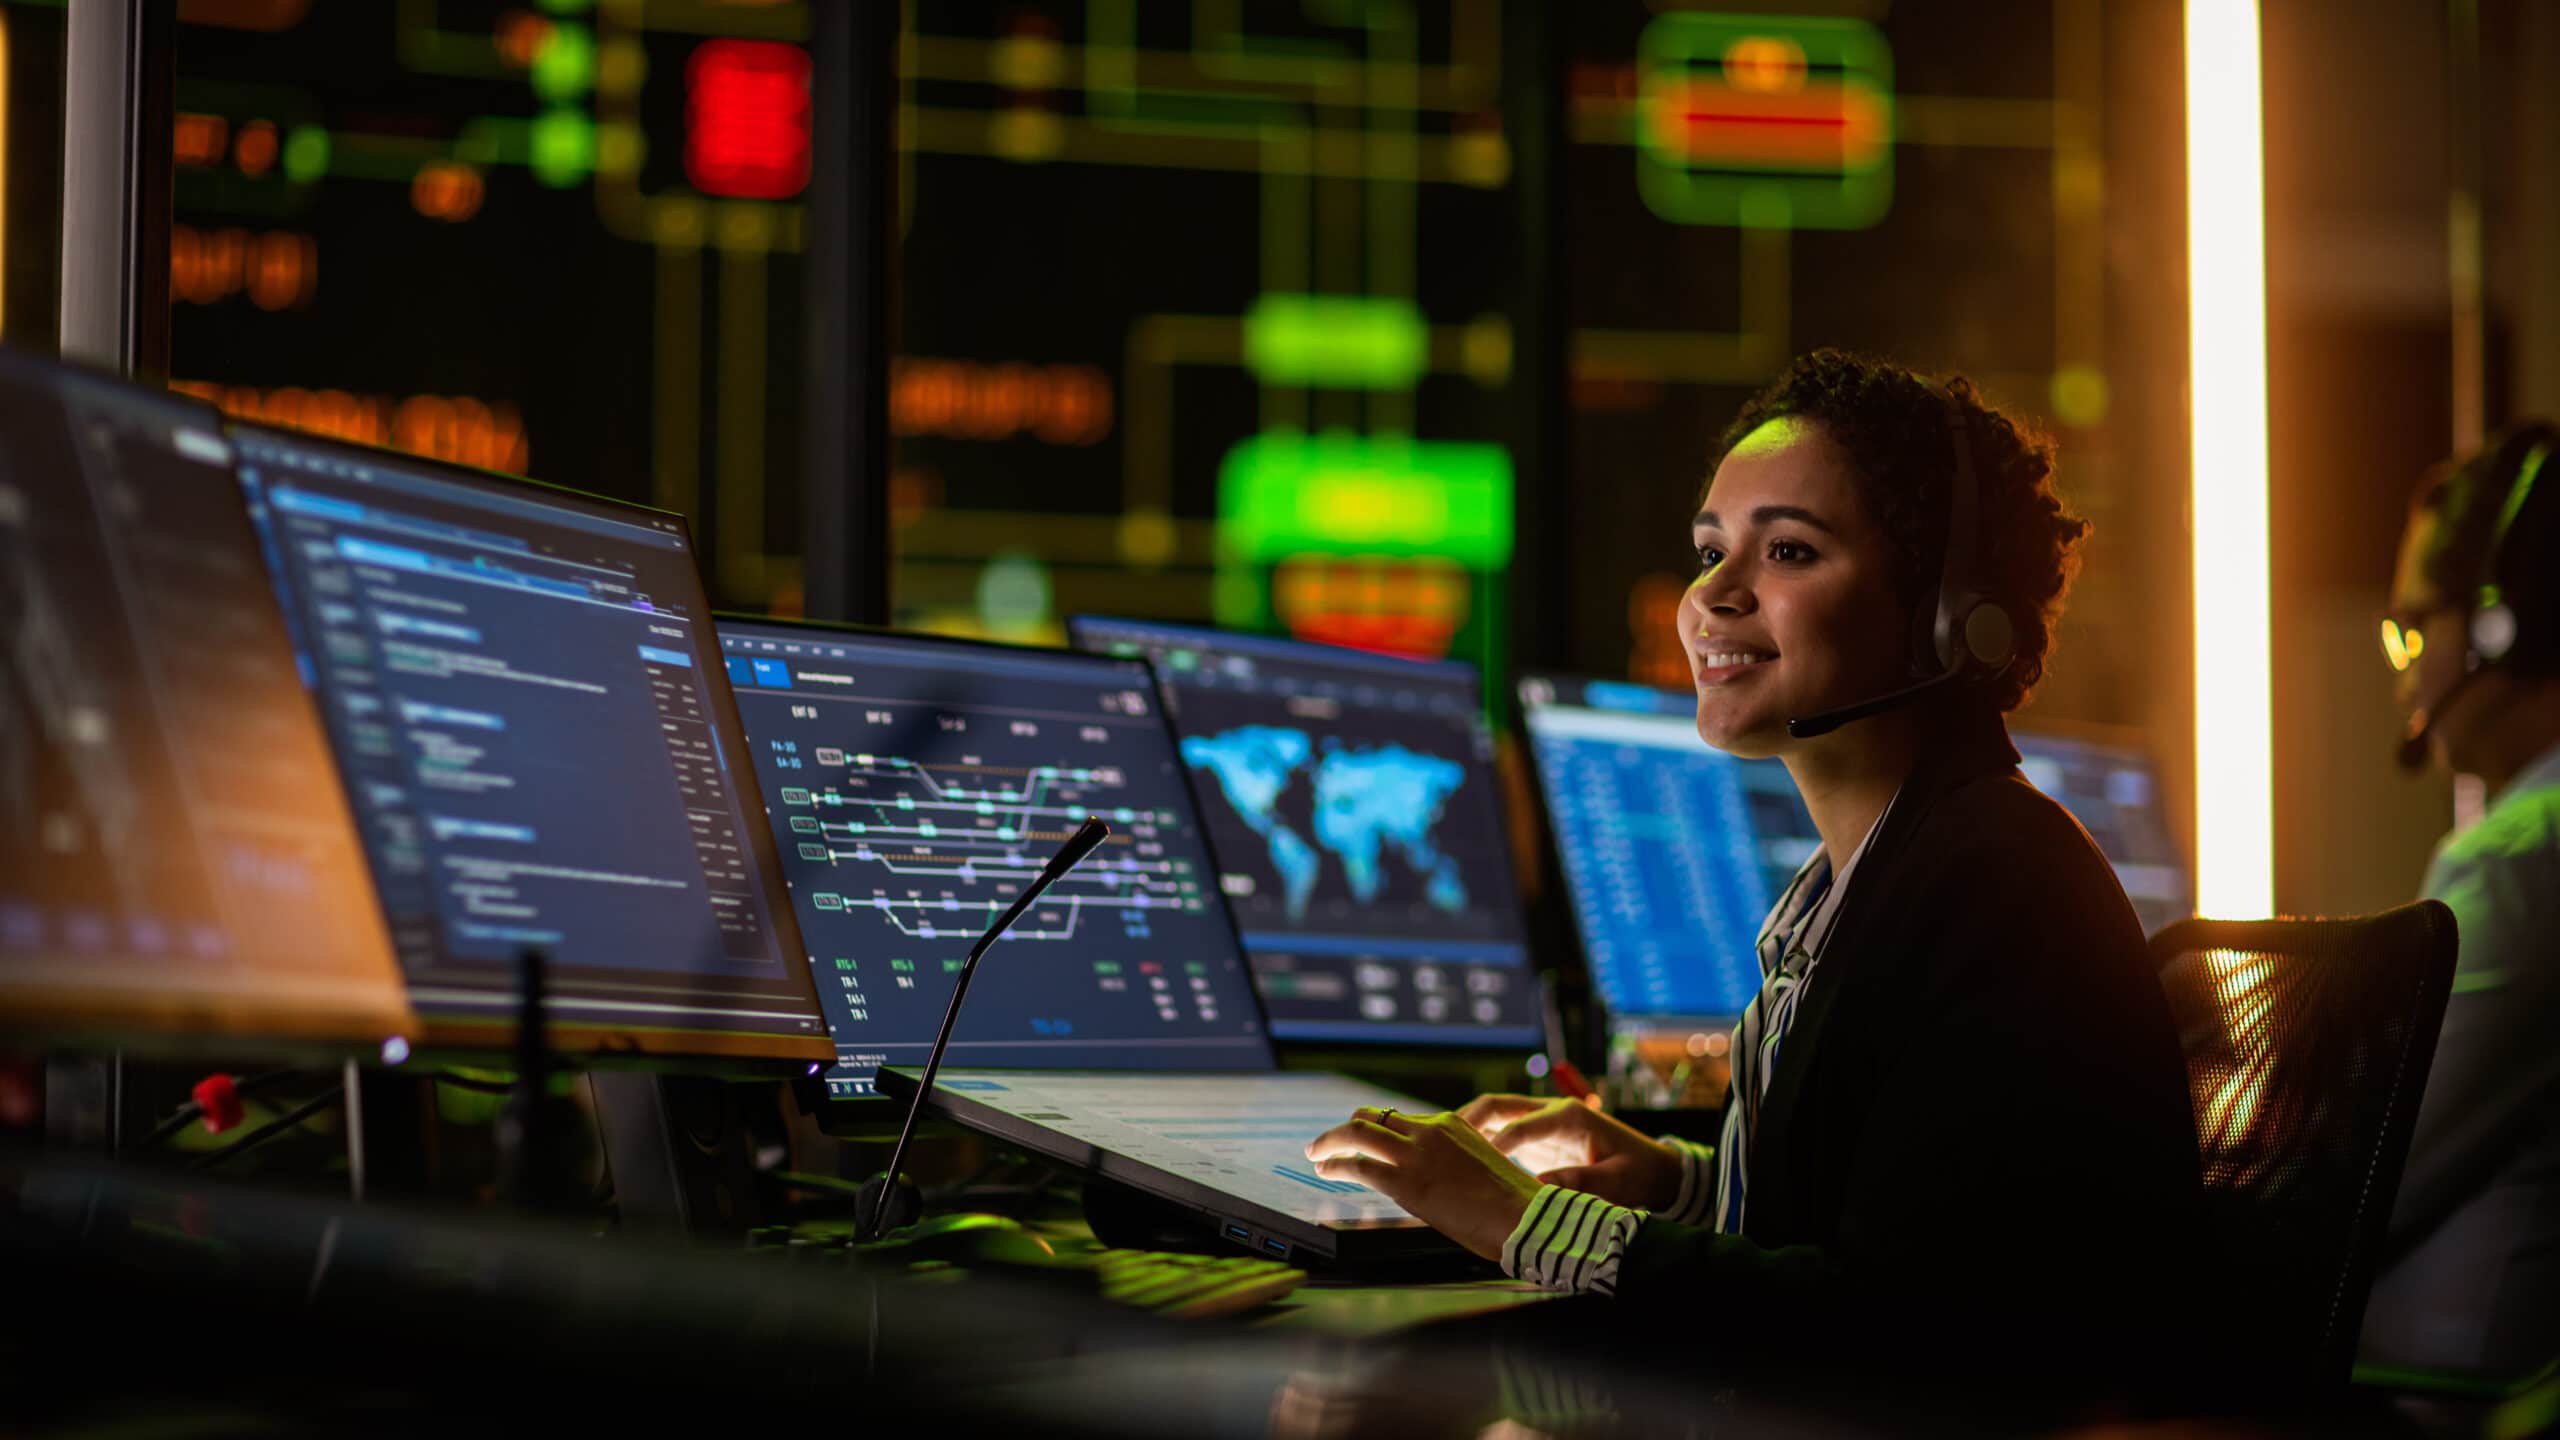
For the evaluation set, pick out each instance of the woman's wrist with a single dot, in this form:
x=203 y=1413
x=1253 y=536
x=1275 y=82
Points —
x=1662 y=1174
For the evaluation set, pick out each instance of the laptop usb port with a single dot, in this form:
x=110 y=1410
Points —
x=1239 y=1234
x=1277 y=1247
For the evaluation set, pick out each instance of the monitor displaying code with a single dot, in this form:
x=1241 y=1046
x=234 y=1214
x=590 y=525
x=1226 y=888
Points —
x=1352 y=803
x=176 y=856
x=916 y=785
x=529 y=710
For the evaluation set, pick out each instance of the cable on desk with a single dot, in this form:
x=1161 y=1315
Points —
x=273 y=1128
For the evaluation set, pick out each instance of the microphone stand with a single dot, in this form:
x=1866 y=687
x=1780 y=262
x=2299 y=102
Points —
x=889 y=1200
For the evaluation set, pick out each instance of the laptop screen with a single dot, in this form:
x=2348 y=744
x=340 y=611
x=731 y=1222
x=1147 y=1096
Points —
x=1352 y=803
x=915 y=784
x=528 y=708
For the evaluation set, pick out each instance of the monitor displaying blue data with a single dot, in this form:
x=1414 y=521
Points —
x=176 y=856
x=2113 y=791
x=1352 y=804
x=531 y=716
x=915 y=785
x=1672 y=851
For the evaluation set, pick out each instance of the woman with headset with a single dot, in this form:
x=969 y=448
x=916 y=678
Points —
x=1959 y=1128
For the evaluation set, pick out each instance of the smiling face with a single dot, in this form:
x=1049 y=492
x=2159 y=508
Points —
x=1794 y=609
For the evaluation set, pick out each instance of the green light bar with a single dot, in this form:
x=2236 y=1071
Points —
x=1349 y=342
x=1283 y=493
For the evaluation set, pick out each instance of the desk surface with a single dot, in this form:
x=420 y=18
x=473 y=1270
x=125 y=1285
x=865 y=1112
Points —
x=1361 y=1311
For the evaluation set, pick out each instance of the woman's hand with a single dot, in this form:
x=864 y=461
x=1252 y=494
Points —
x=1437 y=1166
x=1567 y=1143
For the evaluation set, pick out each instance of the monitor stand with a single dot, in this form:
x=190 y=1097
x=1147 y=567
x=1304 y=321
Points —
x=676 y=1146
x=83 y=1100
x=680 y=1153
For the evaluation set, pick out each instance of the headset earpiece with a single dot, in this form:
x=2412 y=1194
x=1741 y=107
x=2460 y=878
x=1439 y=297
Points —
x=2498 y=614
x=1968 y=633
x=1964 y=634
x=2493 y=632
x=1990 y=636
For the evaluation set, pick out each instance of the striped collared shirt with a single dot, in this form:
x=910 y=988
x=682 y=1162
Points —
x=1790 y=945
x=1571 y=1241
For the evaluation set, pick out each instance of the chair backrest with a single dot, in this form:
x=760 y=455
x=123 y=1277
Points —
x=2307 y=1046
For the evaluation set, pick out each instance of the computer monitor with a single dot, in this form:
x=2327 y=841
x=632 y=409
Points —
x=176 y=858
x=914 y=784
x=1672 y=851
x=1351 y=802
x=529 y=712
x=2111 y=788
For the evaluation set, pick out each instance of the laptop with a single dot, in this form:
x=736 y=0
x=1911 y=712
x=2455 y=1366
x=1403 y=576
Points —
x=912 y=785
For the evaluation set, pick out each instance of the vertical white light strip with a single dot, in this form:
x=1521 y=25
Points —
x=2227 y=369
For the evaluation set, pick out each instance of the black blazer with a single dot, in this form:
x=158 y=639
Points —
x=1977 y=1147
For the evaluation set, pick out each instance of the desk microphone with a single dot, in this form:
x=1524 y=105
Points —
x=889 y=1200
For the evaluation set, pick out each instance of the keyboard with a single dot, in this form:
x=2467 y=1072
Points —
x=1161 y=1282
x=1193 y=1286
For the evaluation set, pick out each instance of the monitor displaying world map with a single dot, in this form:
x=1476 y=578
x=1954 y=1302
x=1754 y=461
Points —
x=1350 y=799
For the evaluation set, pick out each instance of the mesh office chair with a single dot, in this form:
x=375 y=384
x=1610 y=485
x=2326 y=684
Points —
x=2307 y=1046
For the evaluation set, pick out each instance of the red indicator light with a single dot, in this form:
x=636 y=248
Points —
x=1820 y=126
x=746 y=119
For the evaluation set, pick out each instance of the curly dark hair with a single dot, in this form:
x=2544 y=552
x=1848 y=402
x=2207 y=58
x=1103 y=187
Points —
x=1893 y=425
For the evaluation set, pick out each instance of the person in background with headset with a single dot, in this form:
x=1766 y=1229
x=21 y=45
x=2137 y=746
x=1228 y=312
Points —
x=1960 y=1128
x=2470 y=1275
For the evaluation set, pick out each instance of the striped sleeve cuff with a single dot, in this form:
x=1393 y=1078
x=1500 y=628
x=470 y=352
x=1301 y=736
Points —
x=1570 y=1241
x=1696 y=1203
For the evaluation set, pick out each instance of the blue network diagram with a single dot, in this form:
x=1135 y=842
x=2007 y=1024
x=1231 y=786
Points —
x=915 y=785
